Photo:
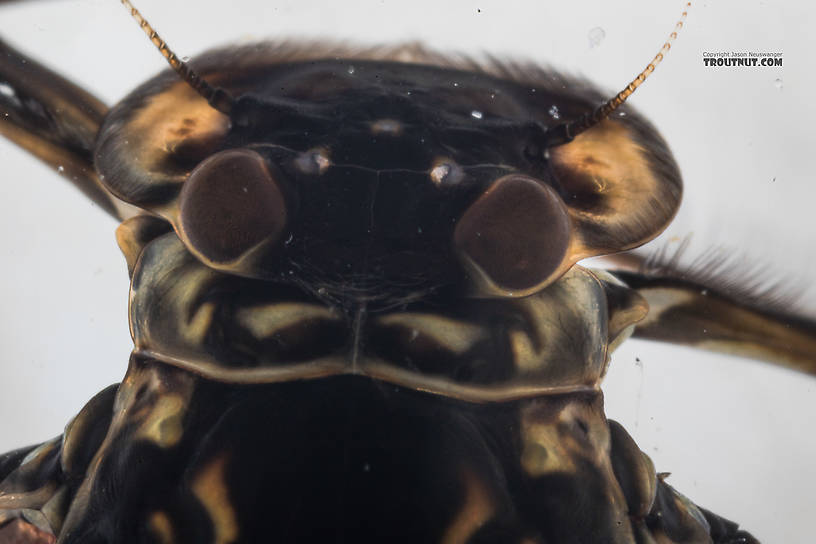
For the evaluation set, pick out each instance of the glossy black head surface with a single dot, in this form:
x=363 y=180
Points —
x=378 y=160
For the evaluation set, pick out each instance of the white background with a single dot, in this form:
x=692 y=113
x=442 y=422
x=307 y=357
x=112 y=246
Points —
x=737 y=435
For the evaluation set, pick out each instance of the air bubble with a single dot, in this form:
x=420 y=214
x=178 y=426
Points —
x=554 y=113
x=596 y=36
x=60 y=169
x=6 y=90
x=350 y=70
x=476 y=114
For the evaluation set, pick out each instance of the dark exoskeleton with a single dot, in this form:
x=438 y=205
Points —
x=356 y=308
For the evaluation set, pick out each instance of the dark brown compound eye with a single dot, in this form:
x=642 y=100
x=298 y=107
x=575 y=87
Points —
x=232 y=203
x=517 y=233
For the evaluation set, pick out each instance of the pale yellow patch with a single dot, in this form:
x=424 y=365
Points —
x=210 y=488
x=477 y=509
x=171 y=119
x=662 y=300
x=195 y=330
x=264 y=321
x=164 y=424
x=607 y=161
x=454 y=335
x=538 y=459
x=525 y=354
x=161 y=527
x=608 y=158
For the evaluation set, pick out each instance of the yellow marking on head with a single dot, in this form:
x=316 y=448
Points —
x=607 y=161
x=163 y=425
x=264 y=321
x=165 y=121
x=525 y=354
x=452 y=334
x=210 y=487
x=477 y=509
x=198 y=325
x=610 y=182
x=193 y=318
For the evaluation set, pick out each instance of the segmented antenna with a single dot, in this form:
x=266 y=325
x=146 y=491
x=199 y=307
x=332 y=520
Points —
x=217 y=97
x=564 y=133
